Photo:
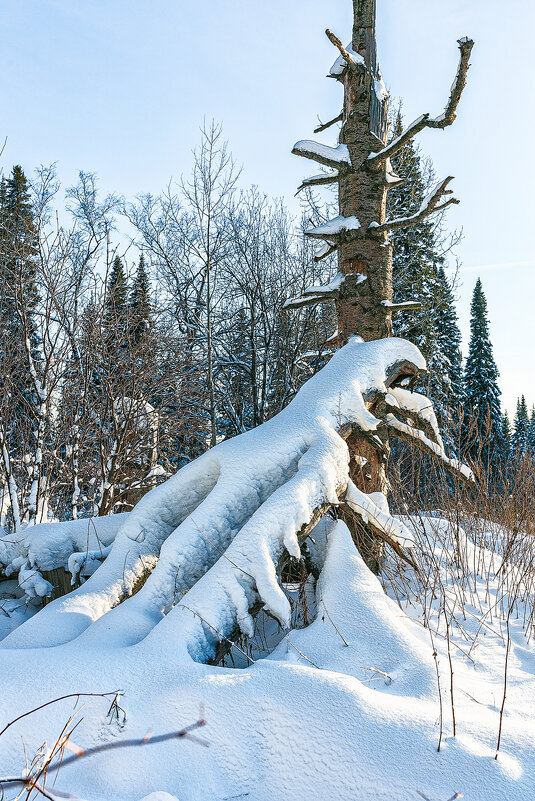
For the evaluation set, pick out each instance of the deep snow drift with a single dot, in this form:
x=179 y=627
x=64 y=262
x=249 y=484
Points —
x=346 y=708
x=363 y=724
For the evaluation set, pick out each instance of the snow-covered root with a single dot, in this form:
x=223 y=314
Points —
x=195 y=545
x=411 y=417
x=246 y=572
x=134 y=553
x=364 y=615
x=200 y=550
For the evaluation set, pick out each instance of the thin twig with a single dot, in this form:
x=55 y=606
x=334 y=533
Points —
x=115 y=693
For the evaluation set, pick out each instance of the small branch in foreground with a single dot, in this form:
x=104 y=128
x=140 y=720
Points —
x=301 y=653
x=113 y=695
x=334 y=624
x=507 y=651
x=441 y=718
x=80 y=753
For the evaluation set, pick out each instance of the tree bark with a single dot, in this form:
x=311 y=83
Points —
x=363 y=194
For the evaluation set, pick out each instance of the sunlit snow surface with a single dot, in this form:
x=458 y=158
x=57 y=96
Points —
x=346 y=708
x=285 y=729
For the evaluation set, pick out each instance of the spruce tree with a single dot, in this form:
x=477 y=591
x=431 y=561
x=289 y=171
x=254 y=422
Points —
x=483 y=413
x=140 y=304
x=117 y=290
x=419 y=274
x=507 y=436
x=19 y=296
x=414 y=255
x=116 y=316
x=521 y=428
x=531 y=434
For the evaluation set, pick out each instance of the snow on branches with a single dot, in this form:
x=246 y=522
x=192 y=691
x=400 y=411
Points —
x=200 y=552
x=335 y=157
x=319 y=294
x=431 y=203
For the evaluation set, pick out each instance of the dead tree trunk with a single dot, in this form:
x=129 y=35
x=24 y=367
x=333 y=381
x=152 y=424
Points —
x=362 y=168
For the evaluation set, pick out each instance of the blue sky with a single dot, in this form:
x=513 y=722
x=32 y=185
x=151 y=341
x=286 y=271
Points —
x=120 y=87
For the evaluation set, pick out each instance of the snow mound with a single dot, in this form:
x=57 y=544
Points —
x=160 y=797
x=352 y=700
x=205 y=544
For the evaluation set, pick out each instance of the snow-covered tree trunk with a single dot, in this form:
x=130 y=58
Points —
x=362 y=168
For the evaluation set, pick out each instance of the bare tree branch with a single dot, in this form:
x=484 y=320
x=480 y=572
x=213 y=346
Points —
x=325 y=125
x=350 y=61
x=409 y=305
x=443 y=121
x=430 y=205
x=320 y=180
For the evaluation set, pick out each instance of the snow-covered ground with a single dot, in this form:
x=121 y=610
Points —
x=347 y=708
x=348 y=704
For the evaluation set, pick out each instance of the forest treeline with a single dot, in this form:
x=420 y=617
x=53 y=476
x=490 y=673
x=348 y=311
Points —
x=119 y=368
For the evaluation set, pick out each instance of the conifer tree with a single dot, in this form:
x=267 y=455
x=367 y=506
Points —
x=481 y=386
x=449 y=338
x=507 y=435
x=531 y=434
x=521 y=428
x=140 y=304
x=116 y=315
x=18 y=289
x=19 y=295
x=419 y=274
x=117 y=290
x=414 y=254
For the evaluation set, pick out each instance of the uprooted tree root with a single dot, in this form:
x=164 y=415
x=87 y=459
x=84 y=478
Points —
x=206 y=544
